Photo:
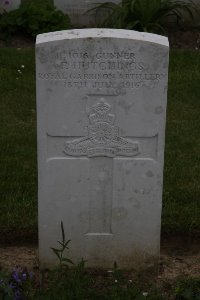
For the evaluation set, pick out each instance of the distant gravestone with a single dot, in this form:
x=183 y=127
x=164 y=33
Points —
x=78 y=11
x=8 y=5
x=101 y=104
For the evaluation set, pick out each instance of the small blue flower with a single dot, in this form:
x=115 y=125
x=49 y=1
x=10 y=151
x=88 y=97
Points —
x=31 y=275
x=18 y=295
x=24 y=276
x=11 y=286
x=15 y=276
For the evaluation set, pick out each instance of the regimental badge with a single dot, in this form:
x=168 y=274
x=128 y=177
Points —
x=103 y=136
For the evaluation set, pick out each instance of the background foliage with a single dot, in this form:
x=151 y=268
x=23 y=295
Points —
x=144 y=15
x=33 y=17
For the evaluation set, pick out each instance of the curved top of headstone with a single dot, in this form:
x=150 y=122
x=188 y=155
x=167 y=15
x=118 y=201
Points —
x=101 y=33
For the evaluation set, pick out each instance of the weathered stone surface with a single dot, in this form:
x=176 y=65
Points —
x=78 y=11
x=101 y=102
x=9 y=5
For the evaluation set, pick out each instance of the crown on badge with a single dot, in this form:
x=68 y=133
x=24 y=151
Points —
x=100 y=112
x=101 y=107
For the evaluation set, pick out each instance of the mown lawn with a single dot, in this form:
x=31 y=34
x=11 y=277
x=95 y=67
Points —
x=18 y=156
x=181 y=210
x=18 y=172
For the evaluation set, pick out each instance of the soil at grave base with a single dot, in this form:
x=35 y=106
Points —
x=178 y=258
x=189 y=39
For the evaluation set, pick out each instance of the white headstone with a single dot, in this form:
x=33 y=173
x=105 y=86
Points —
x=78 y=11
x=101 y=102
x=8 y=5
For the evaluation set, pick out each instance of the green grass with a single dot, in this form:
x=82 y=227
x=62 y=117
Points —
x=75 y=284
x=18 y=172
x=181 y=208
x=81 y=284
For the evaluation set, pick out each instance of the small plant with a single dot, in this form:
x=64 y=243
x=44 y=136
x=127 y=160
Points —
x=188 y=289
x=33 y=17
x=117 y=273
x=144 y=15
x=15 y=286
x=59 y=252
